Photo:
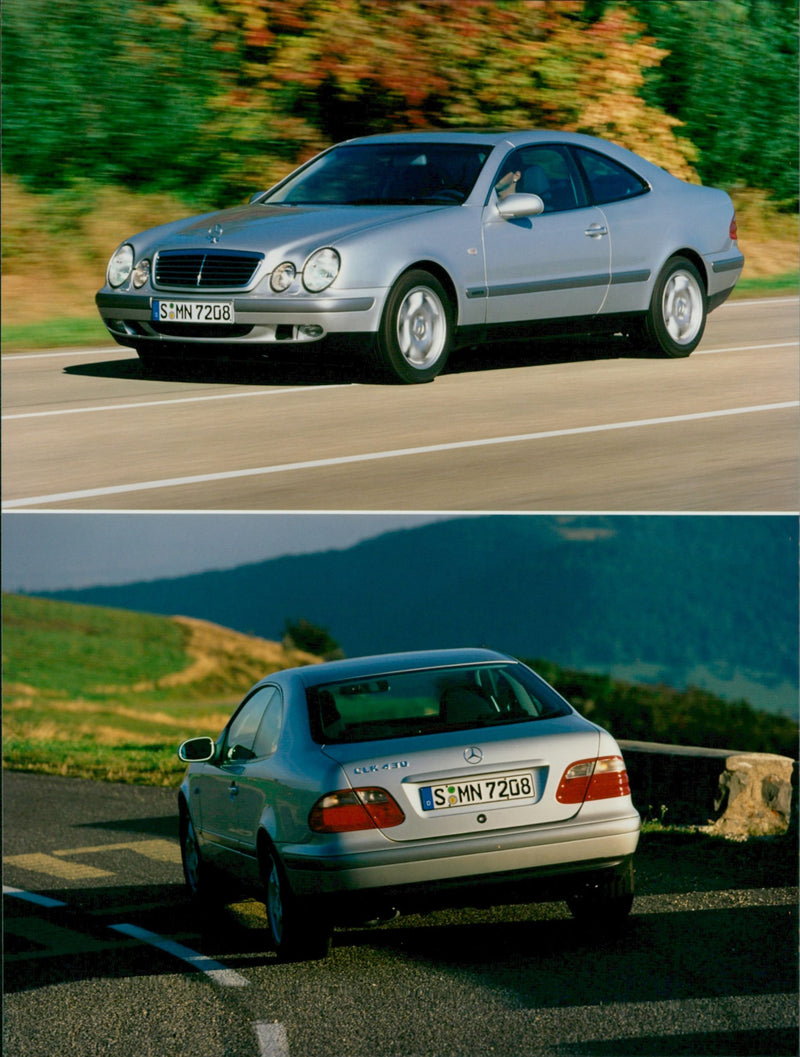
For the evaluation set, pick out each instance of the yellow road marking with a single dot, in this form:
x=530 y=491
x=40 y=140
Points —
x=52 y=940
x=159 y=850
x=48 y=864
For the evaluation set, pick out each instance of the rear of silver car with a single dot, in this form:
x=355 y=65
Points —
x=457 y=783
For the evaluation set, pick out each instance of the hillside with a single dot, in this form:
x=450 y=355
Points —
x=109 y=694
x=710 y=602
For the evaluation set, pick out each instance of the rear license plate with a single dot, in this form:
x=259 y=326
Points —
x=494 y=789
x=192 y=312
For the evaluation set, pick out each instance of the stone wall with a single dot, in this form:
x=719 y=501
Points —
x=735 y=794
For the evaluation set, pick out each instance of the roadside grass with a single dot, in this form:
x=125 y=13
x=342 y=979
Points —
x=109 y=694
x=46 y=308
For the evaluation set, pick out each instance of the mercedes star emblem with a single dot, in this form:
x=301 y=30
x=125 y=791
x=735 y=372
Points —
x=473 y=754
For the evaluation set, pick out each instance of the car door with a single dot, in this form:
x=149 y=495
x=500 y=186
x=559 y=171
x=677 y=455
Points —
x=553 y=265
x=218 y=786
x=635 y=227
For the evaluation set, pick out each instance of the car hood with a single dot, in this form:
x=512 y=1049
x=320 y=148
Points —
x=277 y=231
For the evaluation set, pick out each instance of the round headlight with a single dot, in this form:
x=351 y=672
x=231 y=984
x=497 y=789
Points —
x=141 y=273
x=283 y=277
x=320 y=270
x=120 y=265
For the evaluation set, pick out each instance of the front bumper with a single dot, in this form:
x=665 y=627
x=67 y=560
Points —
x=258 y=320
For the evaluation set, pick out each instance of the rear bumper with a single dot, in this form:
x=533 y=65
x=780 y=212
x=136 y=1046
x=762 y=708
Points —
x=553 y=851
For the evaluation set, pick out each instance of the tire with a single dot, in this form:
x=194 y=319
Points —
x=201 y=883
x=604 y=903
x=298 y=931
x=416 y=330
x=155 y=364
x=676 y=319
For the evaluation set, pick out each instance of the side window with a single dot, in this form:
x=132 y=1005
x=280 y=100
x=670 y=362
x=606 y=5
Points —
x=608 y=180
x=245 y=724
x=545 y=171
x=267 y=737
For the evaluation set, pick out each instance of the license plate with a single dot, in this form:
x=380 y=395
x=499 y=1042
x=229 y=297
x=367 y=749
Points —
x=494 y=789
x=192 y=312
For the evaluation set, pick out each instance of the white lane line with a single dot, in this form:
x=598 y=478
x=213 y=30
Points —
x=32 y=897
x=400 y=453
x=272 y=1039
x=213 y=970
x=747 y=348
x=177 y=400
x=135 y=405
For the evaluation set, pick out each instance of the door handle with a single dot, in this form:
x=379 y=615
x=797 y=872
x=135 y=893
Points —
x=233 y=789
x=594 y=231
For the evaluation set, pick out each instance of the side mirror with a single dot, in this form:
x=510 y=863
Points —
x=197 y=750
x=520 y=205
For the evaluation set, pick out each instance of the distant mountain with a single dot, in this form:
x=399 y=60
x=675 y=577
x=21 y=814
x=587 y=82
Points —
x=708 y=600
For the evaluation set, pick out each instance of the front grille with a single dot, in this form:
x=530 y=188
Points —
x=207 y=269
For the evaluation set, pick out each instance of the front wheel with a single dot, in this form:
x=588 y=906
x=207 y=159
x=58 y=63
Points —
x=676 y=319
x=202 y=885
x=416 y=330
x=298 y=931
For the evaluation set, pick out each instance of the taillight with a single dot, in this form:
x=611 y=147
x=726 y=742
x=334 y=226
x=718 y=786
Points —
x=593 y=780
x=732 y=230
x=347 y=810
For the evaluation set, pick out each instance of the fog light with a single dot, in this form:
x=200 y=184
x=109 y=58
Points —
x=310 y=330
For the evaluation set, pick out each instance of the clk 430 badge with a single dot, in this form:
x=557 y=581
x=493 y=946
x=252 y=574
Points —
x=371 y=768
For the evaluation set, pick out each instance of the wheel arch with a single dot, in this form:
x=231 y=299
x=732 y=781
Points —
x=438 y=271
x=694 y=258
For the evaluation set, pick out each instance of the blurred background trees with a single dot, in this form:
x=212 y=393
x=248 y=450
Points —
x=212 y=99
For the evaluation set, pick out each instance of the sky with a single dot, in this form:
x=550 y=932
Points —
x=61 y=551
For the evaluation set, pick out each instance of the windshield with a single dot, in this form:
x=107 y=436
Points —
x=406 y=704
x=385 y=174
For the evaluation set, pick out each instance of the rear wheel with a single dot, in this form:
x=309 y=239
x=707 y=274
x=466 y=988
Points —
x=676 y=319
x=415 y=334
x=299 y=932
x=605 y=902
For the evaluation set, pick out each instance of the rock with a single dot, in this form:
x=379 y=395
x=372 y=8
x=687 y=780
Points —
x=754 y=797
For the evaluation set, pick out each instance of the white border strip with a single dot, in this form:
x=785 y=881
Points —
x=272 y=1039
x=399 y=453
x=213 y=970
x=32 y=897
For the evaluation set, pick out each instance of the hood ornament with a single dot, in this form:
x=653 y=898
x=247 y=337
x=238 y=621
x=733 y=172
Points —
x=215 y=233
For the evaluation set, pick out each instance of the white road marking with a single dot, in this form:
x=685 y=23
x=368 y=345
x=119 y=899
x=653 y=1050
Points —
x=747 y=348
x=135 y=406
x=215 y=971
x=400 y=453
x=32 y=897
x=272 y=1039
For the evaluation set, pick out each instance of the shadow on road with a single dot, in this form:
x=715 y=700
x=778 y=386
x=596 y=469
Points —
x=338 y=370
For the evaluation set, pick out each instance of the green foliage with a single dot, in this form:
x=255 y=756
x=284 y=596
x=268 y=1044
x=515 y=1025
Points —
x=635 y=712
x=303 y=635
x=731 y=78
x=216 y=98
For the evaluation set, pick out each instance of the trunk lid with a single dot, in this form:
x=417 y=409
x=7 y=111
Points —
x=462 y=782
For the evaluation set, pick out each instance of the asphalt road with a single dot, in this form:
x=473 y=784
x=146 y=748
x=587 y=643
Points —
x=707 y=965
x=567 y=426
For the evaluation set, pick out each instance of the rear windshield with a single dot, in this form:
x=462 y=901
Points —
x=406 y=704
x=385 y=174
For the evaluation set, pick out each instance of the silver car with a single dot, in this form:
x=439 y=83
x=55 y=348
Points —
x=351 y=791
x=407 y=246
